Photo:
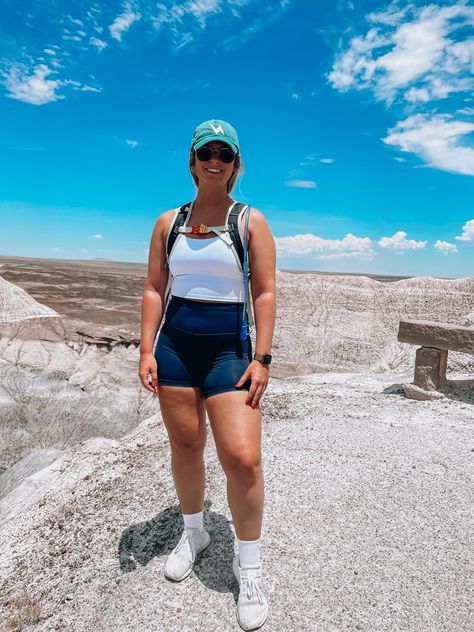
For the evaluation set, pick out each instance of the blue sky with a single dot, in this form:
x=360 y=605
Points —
x=355 y=119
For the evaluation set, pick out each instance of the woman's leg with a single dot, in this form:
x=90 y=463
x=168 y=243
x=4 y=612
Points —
x=237 y=434
x=184 y=415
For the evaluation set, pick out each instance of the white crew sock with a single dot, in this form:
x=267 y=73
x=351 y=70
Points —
x=249 y=552
x=195 y=520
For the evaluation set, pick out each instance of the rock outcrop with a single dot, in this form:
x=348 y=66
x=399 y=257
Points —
x=16 y=305
x=34 y=462
x=350 y=323
x=64 y=379
x=376 y=486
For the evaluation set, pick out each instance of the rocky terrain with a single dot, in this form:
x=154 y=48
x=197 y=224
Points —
x=369 y=495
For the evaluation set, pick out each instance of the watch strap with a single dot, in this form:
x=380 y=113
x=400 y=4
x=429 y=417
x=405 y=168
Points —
x=260 y=357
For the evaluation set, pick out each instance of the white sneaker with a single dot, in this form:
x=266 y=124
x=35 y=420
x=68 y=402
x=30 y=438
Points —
x=252 y=606
x=181 y=559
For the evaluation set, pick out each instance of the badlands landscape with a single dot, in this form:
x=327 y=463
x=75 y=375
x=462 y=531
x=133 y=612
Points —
x=368 y=495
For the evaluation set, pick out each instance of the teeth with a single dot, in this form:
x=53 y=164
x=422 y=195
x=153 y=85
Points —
x=214 y=170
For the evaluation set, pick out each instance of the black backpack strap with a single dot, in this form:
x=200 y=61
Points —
x=179 y=220
x=234 y=231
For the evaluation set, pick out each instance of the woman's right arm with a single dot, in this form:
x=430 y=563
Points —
x=153 y=300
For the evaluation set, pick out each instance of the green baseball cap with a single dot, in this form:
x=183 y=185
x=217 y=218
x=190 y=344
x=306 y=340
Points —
x=215 y=130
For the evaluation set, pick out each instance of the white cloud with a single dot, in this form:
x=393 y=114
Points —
x=98 y=43
x=98 y=236
x=71 y=38
x=95 y=8
x=368 y=256
x=467 y=232
x=131 y=143
x=301 y=184
x=342 y=6
x=327 y=161
x=186 y=20
x=309 y=160
x=436 y=140
x=31 y=86
x=85 y=88
x=416 y=55
x=76 y=85
x=55 y=63
x=202 y=8
x=184 y=39
x=410 y=50
x=391 y=16
x=445 y=247
x=167 y=15
x=354 y=68
x=400 y=243
x=348 y=247
x=415 y=95
x=76 y=20
x=123 y=22
x=49 y=51
x=399 y=159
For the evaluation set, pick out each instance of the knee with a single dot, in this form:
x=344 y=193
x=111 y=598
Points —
x=188 y=449
x=244 y=463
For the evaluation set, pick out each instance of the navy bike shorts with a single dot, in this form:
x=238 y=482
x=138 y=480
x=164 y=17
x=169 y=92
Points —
x=199 y=345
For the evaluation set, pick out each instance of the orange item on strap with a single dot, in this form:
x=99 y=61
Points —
x=200 y=228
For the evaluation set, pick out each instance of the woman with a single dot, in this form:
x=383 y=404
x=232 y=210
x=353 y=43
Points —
x=201 y=364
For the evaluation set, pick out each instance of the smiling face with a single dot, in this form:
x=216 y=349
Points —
x=213 y=172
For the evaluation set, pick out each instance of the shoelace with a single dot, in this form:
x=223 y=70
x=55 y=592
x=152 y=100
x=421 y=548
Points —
x=184 y=541
x=252 y=587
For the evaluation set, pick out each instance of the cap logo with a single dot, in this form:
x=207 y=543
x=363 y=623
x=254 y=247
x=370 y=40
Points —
x=218 y=129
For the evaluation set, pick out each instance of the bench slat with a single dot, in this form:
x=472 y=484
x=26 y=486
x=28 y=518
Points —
x=438 y=335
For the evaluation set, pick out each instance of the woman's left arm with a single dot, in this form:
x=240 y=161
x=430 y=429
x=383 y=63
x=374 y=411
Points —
x=262 y=257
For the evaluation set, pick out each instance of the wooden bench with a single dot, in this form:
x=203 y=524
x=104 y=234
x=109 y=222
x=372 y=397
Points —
x=435 y=340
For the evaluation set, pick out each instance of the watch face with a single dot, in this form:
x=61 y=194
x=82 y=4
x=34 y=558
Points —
x=266 y=358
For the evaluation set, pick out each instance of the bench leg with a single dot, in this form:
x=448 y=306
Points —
x=430 y=368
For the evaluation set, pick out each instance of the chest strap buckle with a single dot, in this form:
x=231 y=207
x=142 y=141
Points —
x=200 y=228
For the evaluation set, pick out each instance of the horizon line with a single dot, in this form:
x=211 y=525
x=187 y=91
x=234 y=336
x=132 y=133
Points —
x=290 y=270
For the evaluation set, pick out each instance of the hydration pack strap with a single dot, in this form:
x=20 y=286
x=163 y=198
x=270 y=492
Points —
x=201 y=229
x=247 y=309
x=181 y=215
x=221 y=231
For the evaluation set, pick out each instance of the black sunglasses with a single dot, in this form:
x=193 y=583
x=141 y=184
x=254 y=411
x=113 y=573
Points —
x=225 y=154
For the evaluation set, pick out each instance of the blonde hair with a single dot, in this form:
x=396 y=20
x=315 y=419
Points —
x=238 y=165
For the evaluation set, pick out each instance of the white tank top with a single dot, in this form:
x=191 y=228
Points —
x=205 y=268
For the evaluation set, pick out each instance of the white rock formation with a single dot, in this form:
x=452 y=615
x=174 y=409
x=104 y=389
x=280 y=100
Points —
x=368 y=493
x=351 y=322
x=34 y=462
x=16 y=305
x=469 y=322
x=62 y=381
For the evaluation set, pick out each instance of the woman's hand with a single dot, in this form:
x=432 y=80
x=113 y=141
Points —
x=148 y=366
x=259 y=374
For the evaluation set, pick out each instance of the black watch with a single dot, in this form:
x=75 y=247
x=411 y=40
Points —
x=266 y=358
